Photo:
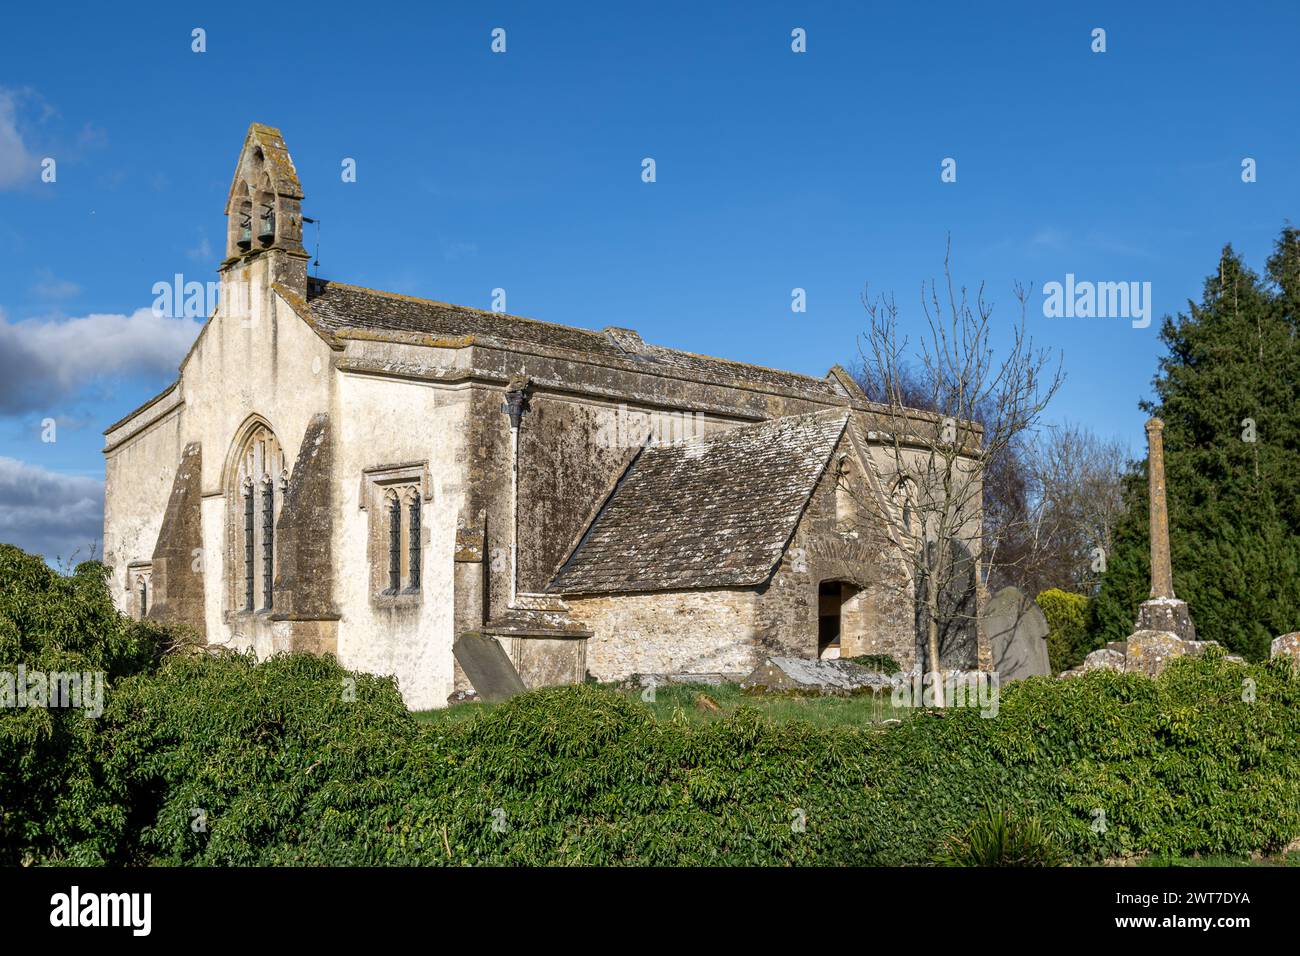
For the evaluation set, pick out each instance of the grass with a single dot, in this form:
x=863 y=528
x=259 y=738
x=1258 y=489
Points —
x=454 y=714
x=692 y=702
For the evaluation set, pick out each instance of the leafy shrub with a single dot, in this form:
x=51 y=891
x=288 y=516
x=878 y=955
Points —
x=1067 y=623
x=998 y=838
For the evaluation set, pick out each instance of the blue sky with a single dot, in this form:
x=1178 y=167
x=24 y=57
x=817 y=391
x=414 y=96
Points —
x=522 y=170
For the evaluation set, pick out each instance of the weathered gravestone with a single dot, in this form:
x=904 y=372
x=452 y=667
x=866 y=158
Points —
x=487 y=666
x=1017 y=632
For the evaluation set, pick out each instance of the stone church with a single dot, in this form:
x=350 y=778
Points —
x=342 y=470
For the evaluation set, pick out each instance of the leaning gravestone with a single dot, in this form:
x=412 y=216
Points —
x=486 y=665
x=1017 y=632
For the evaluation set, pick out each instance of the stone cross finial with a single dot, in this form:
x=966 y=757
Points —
x=1162 y=576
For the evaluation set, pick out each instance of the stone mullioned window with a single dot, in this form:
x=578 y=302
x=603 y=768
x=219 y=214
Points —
x=394 y=496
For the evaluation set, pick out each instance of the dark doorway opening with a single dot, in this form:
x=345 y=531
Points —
x=829 y=602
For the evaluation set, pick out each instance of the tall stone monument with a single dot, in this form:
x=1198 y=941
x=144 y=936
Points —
x=1163 y=611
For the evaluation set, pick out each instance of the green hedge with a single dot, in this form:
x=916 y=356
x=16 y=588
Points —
x=1068 y=641
x=221 y=761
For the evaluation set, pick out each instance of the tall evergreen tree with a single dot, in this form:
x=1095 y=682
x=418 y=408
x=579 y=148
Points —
x=1229 y=393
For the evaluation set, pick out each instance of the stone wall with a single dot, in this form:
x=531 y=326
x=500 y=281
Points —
x=139 y=475
x=567 y=464
x=671 y=632
x=416 y=429
x=839 y=539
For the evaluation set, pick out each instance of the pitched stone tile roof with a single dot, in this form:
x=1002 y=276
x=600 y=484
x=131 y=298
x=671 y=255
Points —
x=708 y=512
x=341 y=307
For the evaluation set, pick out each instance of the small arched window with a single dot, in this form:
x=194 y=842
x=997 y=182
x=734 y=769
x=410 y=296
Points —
x=143 y=597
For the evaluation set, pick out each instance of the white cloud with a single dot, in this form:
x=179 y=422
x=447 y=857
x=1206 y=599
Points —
x=50 y=514
x=17 y=164
x=46 y=361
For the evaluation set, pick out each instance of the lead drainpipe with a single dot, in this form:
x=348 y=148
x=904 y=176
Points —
x=515 y=406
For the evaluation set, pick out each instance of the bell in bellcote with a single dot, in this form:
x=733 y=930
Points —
x=266 y=232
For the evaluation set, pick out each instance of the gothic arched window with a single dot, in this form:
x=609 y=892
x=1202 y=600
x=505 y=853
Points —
x=257 y=473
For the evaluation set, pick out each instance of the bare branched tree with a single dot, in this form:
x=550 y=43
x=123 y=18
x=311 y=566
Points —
x=1076 y=481
x=930 y=467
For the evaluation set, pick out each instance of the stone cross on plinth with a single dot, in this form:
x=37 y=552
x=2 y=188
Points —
x=1162 y=611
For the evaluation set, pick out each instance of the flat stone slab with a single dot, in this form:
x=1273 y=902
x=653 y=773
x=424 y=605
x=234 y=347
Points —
x=487 y=666
x=819 y=676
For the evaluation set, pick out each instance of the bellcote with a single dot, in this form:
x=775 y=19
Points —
x=264 y=209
